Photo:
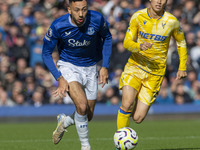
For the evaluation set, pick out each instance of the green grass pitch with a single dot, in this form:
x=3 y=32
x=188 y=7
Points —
x=153 y=135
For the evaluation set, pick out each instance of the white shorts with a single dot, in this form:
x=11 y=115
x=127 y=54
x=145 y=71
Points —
x=87 y=76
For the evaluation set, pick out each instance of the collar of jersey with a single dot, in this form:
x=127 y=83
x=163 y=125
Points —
x=153 y=18
x=70 y=21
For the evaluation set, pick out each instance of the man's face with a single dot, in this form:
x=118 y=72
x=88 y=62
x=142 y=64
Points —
x=158 y=5
x=78 y=11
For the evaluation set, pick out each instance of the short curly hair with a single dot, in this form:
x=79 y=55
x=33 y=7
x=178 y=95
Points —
x=70 y=1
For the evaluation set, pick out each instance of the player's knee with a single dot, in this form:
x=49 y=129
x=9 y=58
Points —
x=82 y=109
x=127 y=106
x=138 y=119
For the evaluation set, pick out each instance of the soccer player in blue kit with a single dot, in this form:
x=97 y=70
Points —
x=82 y=38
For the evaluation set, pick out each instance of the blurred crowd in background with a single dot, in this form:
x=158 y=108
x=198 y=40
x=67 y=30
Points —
x=24 y=79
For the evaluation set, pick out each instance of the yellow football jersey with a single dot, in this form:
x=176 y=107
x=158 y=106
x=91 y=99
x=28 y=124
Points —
x=158 y=32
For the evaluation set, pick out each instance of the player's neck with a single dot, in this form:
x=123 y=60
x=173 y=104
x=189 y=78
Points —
x=154 y=14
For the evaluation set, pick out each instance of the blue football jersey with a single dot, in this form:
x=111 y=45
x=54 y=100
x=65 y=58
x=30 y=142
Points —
x=81 y=46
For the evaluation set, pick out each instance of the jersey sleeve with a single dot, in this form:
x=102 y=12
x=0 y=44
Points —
x=178 y=35
x=131 y=34
x=50 y=40
x=107 y=42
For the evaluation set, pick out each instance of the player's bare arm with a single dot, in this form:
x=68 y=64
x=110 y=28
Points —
x=181 y=74
x=63 y=87
x=103 y=76
x=145 y=46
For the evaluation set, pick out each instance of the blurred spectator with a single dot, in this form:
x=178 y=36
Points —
x=165 y=95
x=11 y=37
x=9 y=80
x=194 y=91
x=36 y=5
x=3 y=45
x=39 y=73
x=4 y=67
x=112 y=8
x=137 y=5
x=173 y=57
x=21 y=69
x=38 y=98
x=197 y=97
x=19 y=99
x=190 y=39
x=16 y=8
x=39 y=16
x=110 y=93
x=190 y=66
x=26 y=15
x=196 y=19
x=48 y=5
x=177 y=12
x=195 y=54
x=189 y=11
x=17 y=94
x=192 y=77
x=113 y=101
x=180 y=93
x=36 y=53
x=169 y=6
x=126 y=10
x=115 y=77
x=4 y=7
x=5 y=19
x=100 y=98
x=119 y=56
x=4 y=98
x=30 y=86
x=42 y=29
x=19 y=50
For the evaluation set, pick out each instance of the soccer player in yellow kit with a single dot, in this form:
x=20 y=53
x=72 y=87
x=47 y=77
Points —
x=148 y=38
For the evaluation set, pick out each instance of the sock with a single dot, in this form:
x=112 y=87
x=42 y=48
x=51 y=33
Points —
x=123 y=118
x=69 y=120
x=81 y=123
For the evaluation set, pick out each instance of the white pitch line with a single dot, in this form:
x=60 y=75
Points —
x=98 y=139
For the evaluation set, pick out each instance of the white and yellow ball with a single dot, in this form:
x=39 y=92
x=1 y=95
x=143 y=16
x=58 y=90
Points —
x=125 y=139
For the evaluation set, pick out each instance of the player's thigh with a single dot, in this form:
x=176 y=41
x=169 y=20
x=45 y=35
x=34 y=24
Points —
x=91 y=86
x=78 y=96
x=150 y=88
x=131 y=76
x=71 y=72
x=130 y=83
x=128 y=98
x=146 y=96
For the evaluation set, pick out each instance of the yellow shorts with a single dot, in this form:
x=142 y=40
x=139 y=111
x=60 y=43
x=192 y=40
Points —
x=147 y=84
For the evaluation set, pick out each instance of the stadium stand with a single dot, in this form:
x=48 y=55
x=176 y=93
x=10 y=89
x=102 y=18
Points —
x=26 y=83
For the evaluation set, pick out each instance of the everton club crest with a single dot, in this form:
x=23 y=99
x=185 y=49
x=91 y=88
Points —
x=90 y=30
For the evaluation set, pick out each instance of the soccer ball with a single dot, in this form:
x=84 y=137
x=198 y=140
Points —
x=125 y=139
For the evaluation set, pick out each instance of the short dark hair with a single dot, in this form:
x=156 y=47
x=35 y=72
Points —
x=70 y=1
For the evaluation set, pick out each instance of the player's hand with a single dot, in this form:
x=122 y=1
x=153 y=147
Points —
x=63 y=87
x=145 y=46
x=181 y=74
x=103 y=76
